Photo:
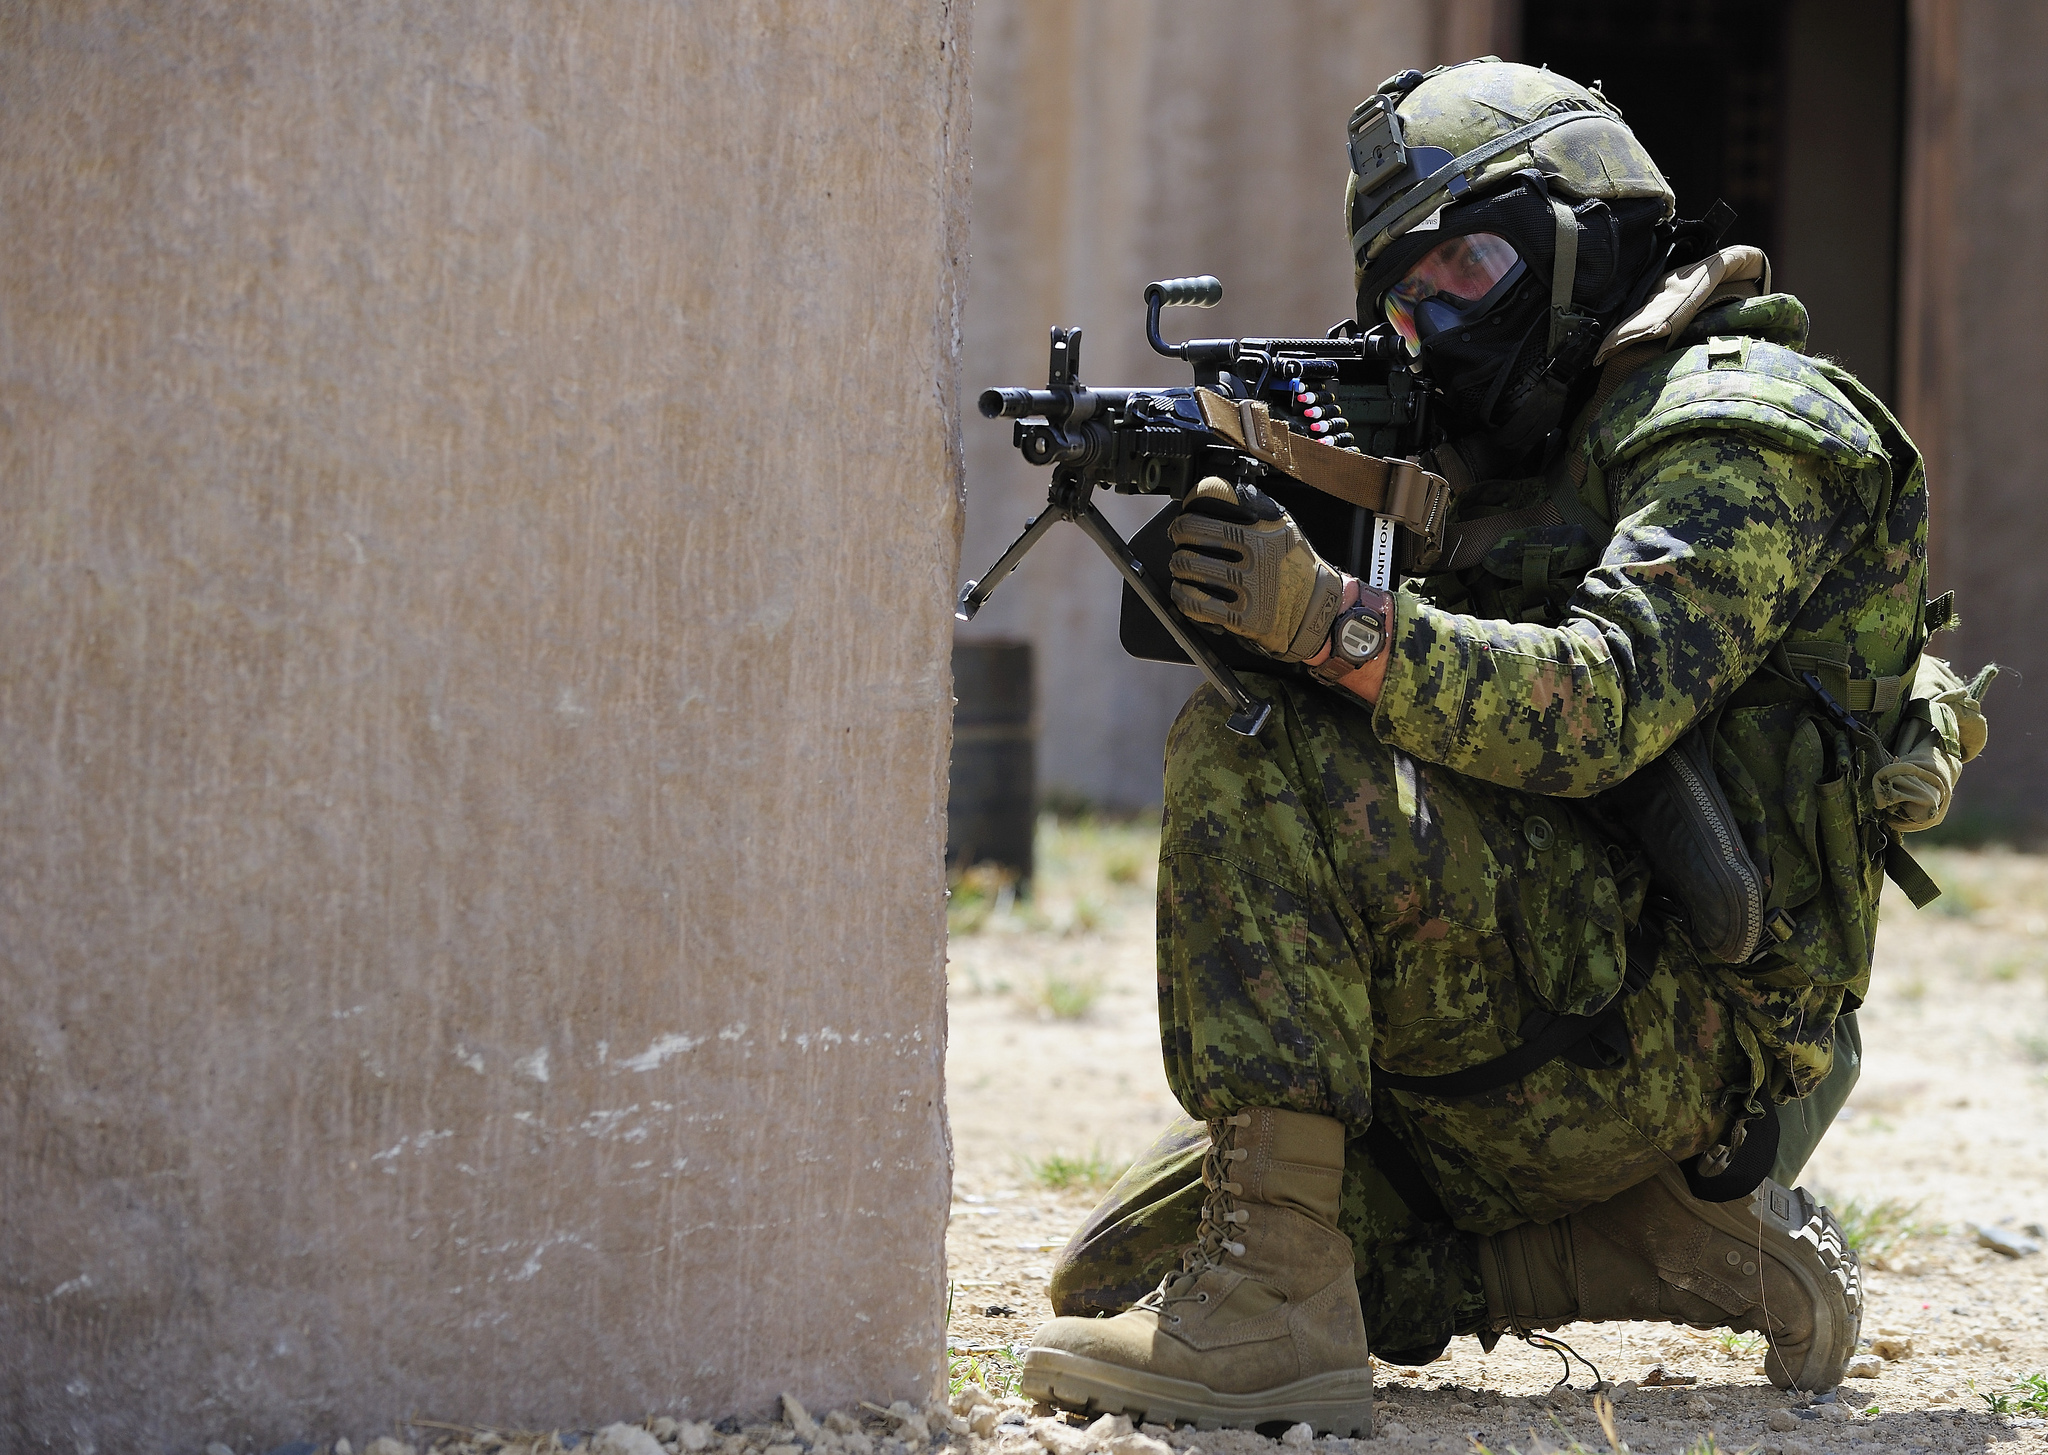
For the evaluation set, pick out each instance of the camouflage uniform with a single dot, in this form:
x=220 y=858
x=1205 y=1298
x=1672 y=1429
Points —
x=1395 y=889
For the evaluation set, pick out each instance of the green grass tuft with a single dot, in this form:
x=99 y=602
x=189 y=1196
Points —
x=1881 y=1227
x=1064 y=998
x=1061 y=1172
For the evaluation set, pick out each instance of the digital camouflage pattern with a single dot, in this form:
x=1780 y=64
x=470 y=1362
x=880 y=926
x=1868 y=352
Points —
x=1763 y=499
x=1398 y=888
x=1465 y=106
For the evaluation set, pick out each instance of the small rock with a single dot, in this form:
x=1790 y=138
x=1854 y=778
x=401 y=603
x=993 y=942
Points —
x=1659 y=1375
x=624 y=1439
x=913 y=1431
x=1864 y=1366
x=695 y=1435
x=1838 y=1412
x=382 y=1445
x=799 y=1418
x=1564 y=1397
x=664 y=1428
x=1301 y=1436
x=2004 y=1240
x=857 y=1442
x=216 y=1448
x=1059 y=1437
x=1622 y=1390
x=1783 y=1421
x=1797 y=1447
x=342 y=1447
x=1699 y=1407
x=982 y=1420
x=1107 y=1428
x=841 y=1421
x=1135 y=1444
x=773 y=1450
x=1892 y=1346
x=1394 y=1430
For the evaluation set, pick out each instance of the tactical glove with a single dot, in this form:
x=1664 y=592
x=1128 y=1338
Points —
x=1913 y=789
x=1938 y=735
x=1243 y=564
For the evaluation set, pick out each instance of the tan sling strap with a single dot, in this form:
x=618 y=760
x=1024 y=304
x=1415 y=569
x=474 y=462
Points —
x=1401 y=489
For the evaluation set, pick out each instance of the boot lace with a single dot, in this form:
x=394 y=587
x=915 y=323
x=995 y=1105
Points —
x=1221 y=1216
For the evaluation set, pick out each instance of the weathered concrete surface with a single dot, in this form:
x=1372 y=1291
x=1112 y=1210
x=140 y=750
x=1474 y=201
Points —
x=479 y=519
x=1118 y=141
x=1973 y=355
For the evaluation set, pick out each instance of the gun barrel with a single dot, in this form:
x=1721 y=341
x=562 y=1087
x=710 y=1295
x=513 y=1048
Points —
x=1057 y=405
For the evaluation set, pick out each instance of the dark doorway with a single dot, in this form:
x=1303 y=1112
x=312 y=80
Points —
x=1790 y=110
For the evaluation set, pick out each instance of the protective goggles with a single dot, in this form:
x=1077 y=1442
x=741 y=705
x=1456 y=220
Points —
x=1456 y=281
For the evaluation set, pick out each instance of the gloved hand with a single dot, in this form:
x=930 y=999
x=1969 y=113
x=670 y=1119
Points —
x=1243 y=564
x=1938 y=735
x=1913 y=789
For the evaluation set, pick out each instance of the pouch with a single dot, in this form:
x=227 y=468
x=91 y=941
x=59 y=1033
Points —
x=1678 y=813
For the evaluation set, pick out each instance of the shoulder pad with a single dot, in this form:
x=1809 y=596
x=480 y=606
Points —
x=1746 y=384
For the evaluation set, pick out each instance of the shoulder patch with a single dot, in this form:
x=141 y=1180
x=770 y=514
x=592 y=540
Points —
x=1746 y=384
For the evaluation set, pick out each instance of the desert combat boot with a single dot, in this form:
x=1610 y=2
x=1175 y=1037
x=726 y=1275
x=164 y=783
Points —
x=1261 y=1321
x=1773 y=1263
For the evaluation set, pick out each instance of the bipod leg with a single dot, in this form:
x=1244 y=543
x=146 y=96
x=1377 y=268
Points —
x=975 y=593
x=1248 y=714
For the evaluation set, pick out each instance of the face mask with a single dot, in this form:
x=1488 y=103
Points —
x=1456 y=283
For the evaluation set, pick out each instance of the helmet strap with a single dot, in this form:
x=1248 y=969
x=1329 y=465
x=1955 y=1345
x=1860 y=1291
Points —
x=1564 y=270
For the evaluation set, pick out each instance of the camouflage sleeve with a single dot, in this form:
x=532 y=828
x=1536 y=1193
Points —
x=1722 y=537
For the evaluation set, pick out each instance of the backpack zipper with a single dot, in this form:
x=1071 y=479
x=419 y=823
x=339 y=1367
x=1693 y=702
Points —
x=1734 y=862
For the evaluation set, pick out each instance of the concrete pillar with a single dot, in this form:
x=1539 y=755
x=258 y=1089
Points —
x=1119 y=141
x=1973 y=350
x=479 y=527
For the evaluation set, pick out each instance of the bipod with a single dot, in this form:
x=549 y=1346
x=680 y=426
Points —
x=1070 y=498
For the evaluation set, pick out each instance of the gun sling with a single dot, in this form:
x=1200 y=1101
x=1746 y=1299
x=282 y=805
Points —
x=1400 y=489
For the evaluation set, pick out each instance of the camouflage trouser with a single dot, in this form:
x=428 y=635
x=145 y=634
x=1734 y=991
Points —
x=1327 y=907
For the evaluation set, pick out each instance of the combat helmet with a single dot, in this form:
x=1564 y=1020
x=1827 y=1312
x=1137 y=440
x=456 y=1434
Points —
x=1516 y=152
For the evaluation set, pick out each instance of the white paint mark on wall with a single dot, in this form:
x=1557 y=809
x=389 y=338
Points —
x=662 y=1048
x=604 y=1123
x=342 y=1015
x=533 y=1066
x=532 y=1264
x=474 y=1060
x=733 y=1032
x=419 y=1143
x=70 y=1285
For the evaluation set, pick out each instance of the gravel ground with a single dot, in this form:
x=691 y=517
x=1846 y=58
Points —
x=1946 y=1131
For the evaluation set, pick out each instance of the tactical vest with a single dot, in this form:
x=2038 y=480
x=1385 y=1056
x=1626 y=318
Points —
x=1792 y=750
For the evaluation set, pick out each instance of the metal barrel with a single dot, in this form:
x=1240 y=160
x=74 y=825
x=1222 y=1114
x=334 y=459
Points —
x=992 y=799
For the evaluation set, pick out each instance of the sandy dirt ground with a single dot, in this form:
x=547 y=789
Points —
x=1948 y=1129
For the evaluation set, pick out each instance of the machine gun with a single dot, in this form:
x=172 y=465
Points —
x=1232 y=423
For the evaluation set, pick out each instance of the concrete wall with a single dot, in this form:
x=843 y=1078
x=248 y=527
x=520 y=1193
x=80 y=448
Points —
x=1118 y=141
x=479 y=522
x=1973 y=355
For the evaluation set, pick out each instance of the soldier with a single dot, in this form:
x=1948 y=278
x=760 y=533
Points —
x=1485 y=970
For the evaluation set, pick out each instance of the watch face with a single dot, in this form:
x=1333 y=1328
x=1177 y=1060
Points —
x=1359 y=638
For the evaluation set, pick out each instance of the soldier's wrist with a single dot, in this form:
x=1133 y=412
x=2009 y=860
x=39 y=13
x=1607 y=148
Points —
x=1347 y=600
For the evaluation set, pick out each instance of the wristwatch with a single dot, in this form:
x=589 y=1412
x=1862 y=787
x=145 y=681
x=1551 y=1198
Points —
x=1358 y=635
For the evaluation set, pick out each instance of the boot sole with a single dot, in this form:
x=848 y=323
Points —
x=1337 y=1403
x=1827 y=1266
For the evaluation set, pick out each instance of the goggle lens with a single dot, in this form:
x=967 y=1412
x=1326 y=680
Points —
x=1459 y=271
